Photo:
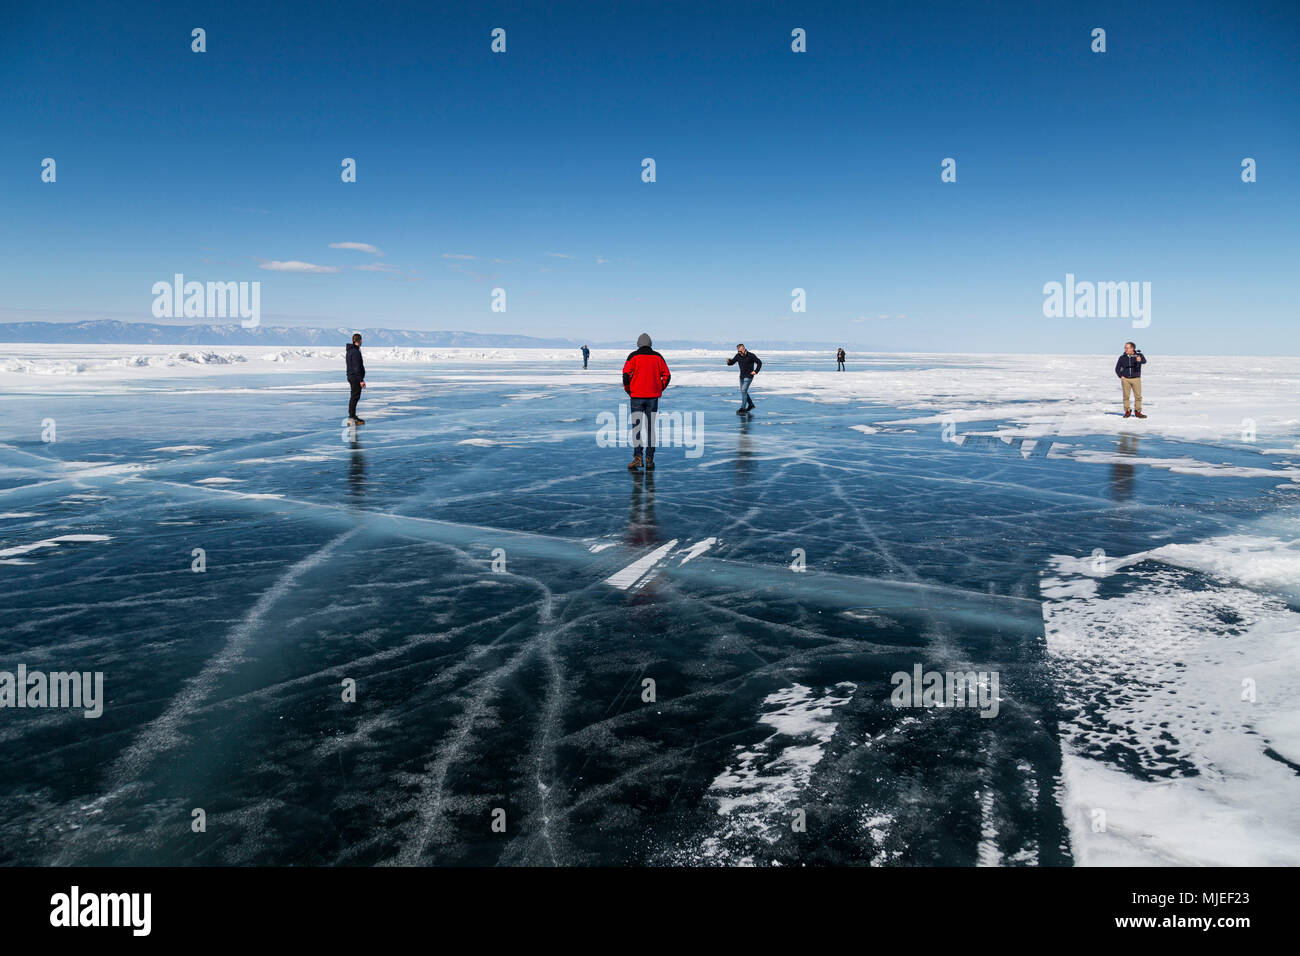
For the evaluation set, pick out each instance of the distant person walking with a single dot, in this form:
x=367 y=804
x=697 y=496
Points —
x=645 y=376
x=586 y=354
x=839 y=360
x=749 y=367
x=356 y=378
x=1129 y=370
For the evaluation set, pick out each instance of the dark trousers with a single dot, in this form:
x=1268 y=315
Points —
x=584 y=361
x=841 y=366
x=643 y=425
x=356 y=394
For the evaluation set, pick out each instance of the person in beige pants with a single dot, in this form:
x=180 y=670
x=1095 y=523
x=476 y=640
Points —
x=1129 y=370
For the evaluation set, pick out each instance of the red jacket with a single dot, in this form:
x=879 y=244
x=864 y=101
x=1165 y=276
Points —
x=645 y=374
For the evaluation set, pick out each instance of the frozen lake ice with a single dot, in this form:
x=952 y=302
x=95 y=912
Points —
x=1133 y=584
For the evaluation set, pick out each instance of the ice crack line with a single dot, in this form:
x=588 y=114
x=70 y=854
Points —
x=162 y=734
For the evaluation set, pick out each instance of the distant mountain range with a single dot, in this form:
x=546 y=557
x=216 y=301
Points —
x=113 y=332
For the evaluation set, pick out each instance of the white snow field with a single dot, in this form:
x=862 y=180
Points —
x=1200 y=398
x=500 y=587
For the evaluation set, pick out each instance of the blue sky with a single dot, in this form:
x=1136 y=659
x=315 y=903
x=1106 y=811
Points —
x=775 y=170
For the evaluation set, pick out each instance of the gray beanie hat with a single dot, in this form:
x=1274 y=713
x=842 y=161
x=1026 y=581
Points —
x=643 y=341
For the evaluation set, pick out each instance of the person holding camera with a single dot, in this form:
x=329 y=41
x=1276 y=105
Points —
x=1129 y=370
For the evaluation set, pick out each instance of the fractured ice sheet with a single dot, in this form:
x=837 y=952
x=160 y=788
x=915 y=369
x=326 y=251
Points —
x=517 y=680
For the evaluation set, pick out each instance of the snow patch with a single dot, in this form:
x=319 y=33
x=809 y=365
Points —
x=51 y=543
x=698 y=548
x=1177 y=680
x=753 y=795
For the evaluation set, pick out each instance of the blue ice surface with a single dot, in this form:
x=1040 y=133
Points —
x=521 y=690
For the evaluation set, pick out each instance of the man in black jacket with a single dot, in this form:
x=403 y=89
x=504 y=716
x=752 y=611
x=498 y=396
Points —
x=356 y=378
x=1129 y=370
x=749 y=367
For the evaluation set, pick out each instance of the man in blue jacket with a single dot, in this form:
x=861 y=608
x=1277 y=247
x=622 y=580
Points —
x=356 y=377
x=1129 y=370
x=586 y=354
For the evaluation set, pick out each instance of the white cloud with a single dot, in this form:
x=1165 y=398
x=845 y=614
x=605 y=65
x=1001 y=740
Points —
x=295 y=266
x=559 y=255
x=378 y=267
x=358 y=246
x=461 y=255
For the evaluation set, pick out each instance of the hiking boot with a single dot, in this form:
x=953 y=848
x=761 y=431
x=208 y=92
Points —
x=635 y=463
x=351 y=421
x=1127 y=413
x=359 y=421
x=1138 y=415
x=741 y=411
x=649 y=464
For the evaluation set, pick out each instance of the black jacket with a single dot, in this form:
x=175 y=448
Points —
x=1130 y=366
x=749 y=362
x=356 y=367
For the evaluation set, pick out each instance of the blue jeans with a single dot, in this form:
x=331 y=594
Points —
x=648 y=407
x=745 y=400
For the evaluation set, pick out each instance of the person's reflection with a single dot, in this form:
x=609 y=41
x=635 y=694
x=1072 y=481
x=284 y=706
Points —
x=356 y=471
x=642 y=529
x=1122 y=473
x=744 y=454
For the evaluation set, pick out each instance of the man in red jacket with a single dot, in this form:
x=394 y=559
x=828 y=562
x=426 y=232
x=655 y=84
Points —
x=645 y=376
